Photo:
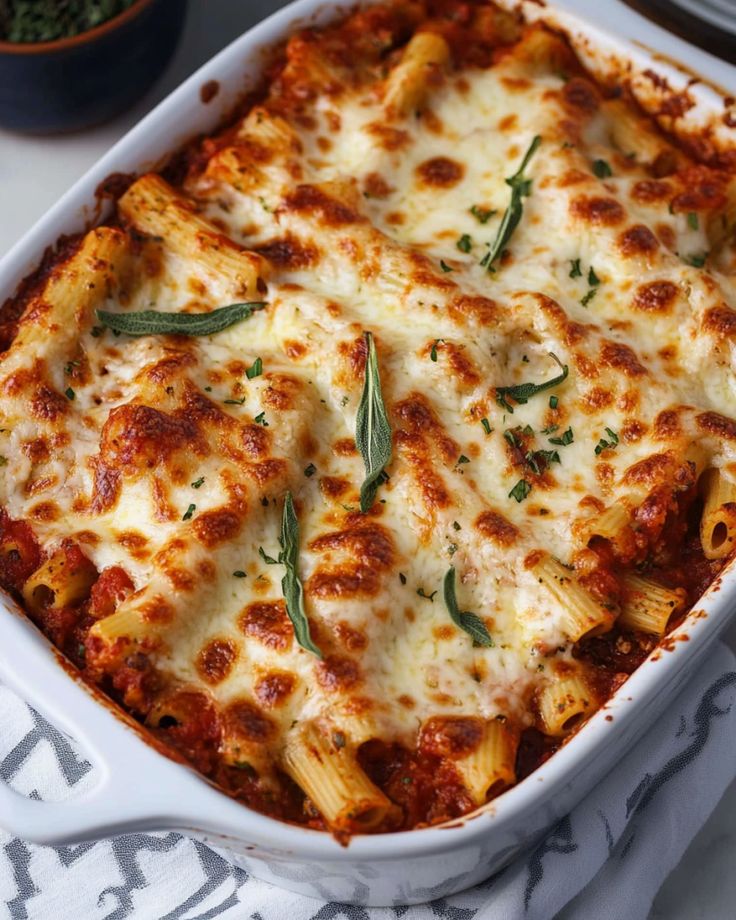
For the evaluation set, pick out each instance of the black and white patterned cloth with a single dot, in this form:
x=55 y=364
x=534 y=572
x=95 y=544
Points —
x=606 y=859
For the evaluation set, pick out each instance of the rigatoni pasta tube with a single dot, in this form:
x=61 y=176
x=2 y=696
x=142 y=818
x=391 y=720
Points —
x=63 y=580
x=648 y=606
x=718 y=522
x=609 y=524
x=490 y=768
x=155 y=209
x=325 y=768
x=564 y=703
x=583 y=615
x=409 y=82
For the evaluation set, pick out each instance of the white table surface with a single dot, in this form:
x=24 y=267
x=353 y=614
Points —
x=34 y=172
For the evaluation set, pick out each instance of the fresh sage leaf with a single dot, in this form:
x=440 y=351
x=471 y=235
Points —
x=154 y=322
x=291 y=584
x=470 y=623
x=523 y=392
x=372 y=429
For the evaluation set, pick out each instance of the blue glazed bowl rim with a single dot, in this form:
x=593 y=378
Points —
x=87 y=37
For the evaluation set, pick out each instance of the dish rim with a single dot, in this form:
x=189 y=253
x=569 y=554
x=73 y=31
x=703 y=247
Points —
x=208 y=809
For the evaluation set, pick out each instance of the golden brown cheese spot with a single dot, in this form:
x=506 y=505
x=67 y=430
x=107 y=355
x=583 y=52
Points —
x=622 y=358
x=136 y=543
x=244 y=720
x=462 y=368
x=440 y=172
x=344 y=447
x=716 y=424
x=572 y=177
x=218 y=526
x=36 y=450
x=375 y=186
x=418 y=418
x=496 y=528
x=268 y=471
x=215 y=661
x=333 y=487
x=45 y=511
x=651 y=470
x=273 y=689
x=705 y=190
x=289 y=253
x=581 y=96
x=637 y=241
x=595 y=399
x=632 y=431
x=451 y=736
x=48 y=405
x=655 y=297
x=651 y=190
x=157 y=610
x=601 y=212
x=136 y=438
x=370 y=553
x=481 y=309
x=267 y=622
x=255 y=440
x=354 y=640
x=667 y=425
x=389 y=138
x=170 y=367
x=282 y=391
x=337 y=674
x=105 y=487
x=309 y=199
x=720 y=321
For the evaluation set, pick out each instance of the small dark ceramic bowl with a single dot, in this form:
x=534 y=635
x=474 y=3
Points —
x=73 y=83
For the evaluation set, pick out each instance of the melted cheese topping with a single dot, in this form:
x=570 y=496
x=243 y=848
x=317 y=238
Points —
x=367 y=223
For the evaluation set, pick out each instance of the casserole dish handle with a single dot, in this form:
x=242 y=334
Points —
x=137 y=788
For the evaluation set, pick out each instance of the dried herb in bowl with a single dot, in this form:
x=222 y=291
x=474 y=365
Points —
x=28 y=21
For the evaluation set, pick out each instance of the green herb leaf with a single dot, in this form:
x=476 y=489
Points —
x=239 y=573
x=470 y=623
x=593 y=279
x=575 y=271
x=427 y=597
x=486 y=425
x=198 y=483
x=402 y=578
x=463 y=459
x=433 y=351
x=601 y=169
x=520 y=188
x=291 y=584
x=269 y=560
x=697 y=261
x=564 y=439
x=553 y=402
x=465 y=243
x=520 y=490
x=189 y=512
x=589 y=296
x=692 y=220
x=483 y=215
x=456 y=526
x=255 y=370
x=153 y=322
x=605 y=444
x=372 y=429
x=234 y=402
x=523 y=392
x=260 y=419
x=70 y=394
x=445 y=267
x=310 y=470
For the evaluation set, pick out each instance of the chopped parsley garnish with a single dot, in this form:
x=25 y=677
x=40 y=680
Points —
x=69 y=393
x=427 y=597
x=564 y=439
x=189 y=512
x=260 y=419
x=521 y=188
x=550 y=430
x=697 y=261
x=523 y=392
x=601 y=169
x=463 y=459
x=465 y=243
x=553 y=402
x=593 y=279
x=692 y=220
x=69 y=367
x=310 y=470
x=469 y=622
x=433 y=351
x=486 y=425
x=511 y=438
x=456 y=526
x=452 y=549
x=234 y=402
x=255 y=370
x=520 y=490
x=445 y=267
x=402 y=578
x=483 y=215
x=589 y=296
x=239 y=573
x=539 y=460
x=198 y=483
x=575 y=271
x=606 y=443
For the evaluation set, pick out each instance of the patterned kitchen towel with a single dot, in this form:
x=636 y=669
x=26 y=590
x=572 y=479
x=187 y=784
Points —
x=606 y=860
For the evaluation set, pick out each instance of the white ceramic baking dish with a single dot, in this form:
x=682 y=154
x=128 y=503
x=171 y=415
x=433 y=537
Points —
x=139 y=789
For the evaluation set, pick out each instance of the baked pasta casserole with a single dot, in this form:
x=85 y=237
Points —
x=372 y=443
